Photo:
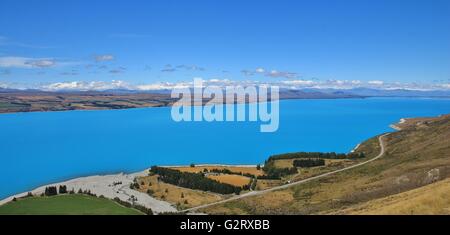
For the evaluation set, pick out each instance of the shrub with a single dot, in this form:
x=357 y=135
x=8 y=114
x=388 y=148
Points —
x=308 y=162
x=150 y=192
x=50 y=191
x=62 y=189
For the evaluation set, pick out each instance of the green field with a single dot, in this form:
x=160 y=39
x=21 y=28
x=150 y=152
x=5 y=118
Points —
x=66 y=205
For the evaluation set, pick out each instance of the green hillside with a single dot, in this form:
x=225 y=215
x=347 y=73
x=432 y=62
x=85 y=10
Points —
x=65 y=205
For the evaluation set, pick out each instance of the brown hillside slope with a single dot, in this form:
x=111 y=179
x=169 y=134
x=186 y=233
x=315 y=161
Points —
x=432 y=199
x=416 y=156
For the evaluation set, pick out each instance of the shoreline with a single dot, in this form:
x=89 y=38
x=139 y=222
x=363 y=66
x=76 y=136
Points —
x=356 y=148
x=396 y=126
x=110 y=186
x=170 y=105
x=104 y=185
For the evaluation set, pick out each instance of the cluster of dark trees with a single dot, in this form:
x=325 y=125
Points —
x=53 y=190
x=251 y=184
x=304 y=159
x=229 y=172
x=135 y=185
x=331 y=155
x=62 y=189
x=274 y=173
x=138 y=207
x=50 y=191
x=193 y=181
x=308 y=162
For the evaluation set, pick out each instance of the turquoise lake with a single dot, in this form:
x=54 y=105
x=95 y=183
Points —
x=45 y=147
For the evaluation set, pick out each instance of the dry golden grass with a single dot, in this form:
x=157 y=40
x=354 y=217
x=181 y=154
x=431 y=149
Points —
x=284 y=163
x=181 y=197
x=418 y=122
x=236 y=180
x=277 y=199
x=266 y=184
x=433 y=199
x=415 y=157
x=330 y=165
x=244 y=170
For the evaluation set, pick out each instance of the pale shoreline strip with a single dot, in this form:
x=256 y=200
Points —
x=104 y=185
x=107 y=186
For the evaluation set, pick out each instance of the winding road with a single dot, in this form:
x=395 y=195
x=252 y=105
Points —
x=256 y=193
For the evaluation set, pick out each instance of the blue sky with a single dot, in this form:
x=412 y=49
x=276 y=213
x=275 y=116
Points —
x=146 y=42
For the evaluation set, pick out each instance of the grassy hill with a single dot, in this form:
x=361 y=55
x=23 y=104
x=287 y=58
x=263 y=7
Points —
x=75 y=204
x=432 y=199
x=416 y=156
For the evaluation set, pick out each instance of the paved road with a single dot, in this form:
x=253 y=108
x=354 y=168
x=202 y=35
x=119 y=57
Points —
x=255 y=193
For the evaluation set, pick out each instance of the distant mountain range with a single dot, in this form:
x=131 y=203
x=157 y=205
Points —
x=370 y=92
x=307 y=93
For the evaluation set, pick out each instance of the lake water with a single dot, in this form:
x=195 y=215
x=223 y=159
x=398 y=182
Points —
x=45 y=147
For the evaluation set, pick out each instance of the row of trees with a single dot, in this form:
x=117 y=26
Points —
x=319 y=155
x=274 y=173
x=52 y=190
x=229 y=172
x=193 y=181
x=62 y=189
x=308 y=162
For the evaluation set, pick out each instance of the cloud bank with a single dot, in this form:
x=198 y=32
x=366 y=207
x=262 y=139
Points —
x=222 y=83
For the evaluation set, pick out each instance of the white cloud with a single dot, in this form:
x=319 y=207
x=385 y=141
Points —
x=190 y=67
x=43 y=63
x=376 y=82
x=281 y=74
x=299 y=82
x=260 y=70
x=163 y=86
x=100 y=58
x=24 y=62
x=272 y=73
x=445 y=86
x=216 y=82
x=86 y=86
